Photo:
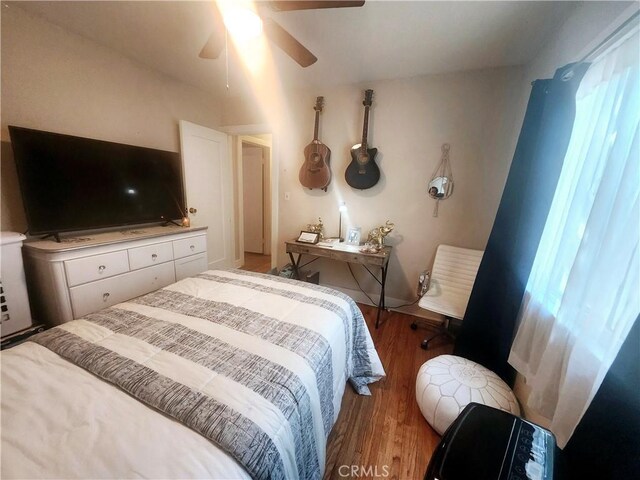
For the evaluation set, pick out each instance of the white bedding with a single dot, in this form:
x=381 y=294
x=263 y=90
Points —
x=60 y=421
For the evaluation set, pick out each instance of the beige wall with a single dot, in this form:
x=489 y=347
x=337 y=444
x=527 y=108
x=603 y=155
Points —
x=58 y=81
x=589 y=24
x=410 y=120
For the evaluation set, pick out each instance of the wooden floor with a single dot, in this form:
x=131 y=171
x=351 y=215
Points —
x=384 y=433
x=255 y=262
x=387 y=430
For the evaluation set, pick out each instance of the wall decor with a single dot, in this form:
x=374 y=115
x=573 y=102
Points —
x=315 y=171
x=363 y=172
x=440 y=186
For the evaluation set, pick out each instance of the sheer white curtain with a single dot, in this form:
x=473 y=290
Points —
x=582 y=296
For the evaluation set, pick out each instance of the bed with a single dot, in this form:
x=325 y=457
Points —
x=229 y=374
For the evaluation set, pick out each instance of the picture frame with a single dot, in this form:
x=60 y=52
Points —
x=353 y=236
x=308 y=237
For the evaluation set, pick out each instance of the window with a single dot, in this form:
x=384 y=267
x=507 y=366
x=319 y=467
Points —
x=582 y=296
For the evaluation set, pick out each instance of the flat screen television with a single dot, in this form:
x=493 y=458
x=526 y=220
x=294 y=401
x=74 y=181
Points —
x=71 y=183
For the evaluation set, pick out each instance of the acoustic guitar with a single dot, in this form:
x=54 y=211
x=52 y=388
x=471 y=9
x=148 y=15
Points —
x=315 y=171
x=362 y=172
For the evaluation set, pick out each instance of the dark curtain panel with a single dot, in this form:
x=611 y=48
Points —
x=489 y=322
x=606 y=443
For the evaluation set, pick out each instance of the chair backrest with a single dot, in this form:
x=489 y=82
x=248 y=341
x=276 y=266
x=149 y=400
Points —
x=452 y=276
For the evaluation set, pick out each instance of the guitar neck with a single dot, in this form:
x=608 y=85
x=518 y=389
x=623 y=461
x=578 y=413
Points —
x=315 y=130
x=365 y=128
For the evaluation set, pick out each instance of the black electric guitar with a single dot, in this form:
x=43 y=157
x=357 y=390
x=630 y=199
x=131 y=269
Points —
x=315 y=171
x=362 y=172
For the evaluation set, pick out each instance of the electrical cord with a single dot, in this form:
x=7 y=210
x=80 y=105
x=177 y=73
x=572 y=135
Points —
x=358 y=283
x=407 y=304
x=374 y=303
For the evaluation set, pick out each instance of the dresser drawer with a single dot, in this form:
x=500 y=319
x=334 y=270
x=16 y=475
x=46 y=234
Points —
x=95 y=296
x=157 y=253
x=96 y=267
x=190 y=266
x=189 y=246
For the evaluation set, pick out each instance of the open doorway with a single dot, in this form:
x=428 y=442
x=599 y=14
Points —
x=254 y=202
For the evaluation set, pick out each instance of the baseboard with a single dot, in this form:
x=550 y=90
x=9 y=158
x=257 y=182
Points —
x=415 y=310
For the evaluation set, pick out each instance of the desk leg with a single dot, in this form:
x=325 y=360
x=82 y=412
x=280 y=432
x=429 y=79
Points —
x=381 y=304
x=295 y=264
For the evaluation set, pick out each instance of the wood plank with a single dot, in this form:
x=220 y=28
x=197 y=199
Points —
x=387 y=428
x=255 y=262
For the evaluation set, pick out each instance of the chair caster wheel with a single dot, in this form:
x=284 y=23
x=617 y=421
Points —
x=414 y=326
x=424 y=345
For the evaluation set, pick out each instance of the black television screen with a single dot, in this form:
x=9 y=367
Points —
x=71 y=183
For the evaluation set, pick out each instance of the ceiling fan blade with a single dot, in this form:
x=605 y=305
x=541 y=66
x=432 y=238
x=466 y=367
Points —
x=214 y=45
x=288 y=43
x=286 y=6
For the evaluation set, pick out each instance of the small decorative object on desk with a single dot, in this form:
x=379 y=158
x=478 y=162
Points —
x=309 y=237
x=353 y=236
x=370 y=248
x=316 y=228
x=186 y=221
x=376 y=236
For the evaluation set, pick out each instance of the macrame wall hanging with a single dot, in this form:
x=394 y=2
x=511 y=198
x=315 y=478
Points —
x=441 y=183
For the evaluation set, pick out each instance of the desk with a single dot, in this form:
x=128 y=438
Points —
x=347 y=254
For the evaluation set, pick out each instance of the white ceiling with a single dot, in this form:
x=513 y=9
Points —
x=382 y=40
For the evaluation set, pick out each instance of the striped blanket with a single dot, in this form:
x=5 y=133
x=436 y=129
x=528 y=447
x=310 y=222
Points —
x=249 y=361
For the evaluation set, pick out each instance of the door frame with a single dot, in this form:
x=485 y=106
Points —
x=237 y=132
x=265 y=146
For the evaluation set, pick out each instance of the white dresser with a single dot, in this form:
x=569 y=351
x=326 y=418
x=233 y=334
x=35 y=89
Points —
x=84 y=274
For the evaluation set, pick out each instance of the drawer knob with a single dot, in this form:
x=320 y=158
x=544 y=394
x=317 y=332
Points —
x=101 y=268
x=192 y=247
x=154 y=257
x=105 y=296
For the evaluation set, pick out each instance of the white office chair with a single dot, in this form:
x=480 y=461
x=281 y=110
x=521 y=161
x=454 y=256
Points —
x=452 y=276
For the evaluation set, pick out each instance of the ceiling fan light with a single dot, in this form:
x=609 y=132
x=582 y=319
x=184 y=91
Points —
x=242 y=23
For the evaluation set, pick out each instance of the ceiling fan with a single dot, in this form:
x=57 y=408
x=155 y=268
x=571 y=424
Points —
x=276 y=33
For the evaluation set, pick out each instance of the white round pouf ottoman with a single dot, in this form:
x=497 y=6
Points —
x=446 y=384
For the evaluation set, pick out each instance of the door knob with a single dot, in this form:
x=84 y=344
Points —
x=193 y=210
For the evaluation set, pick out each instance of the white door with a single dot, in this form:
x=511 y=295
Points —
x=209 y=187
x=252 y=198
